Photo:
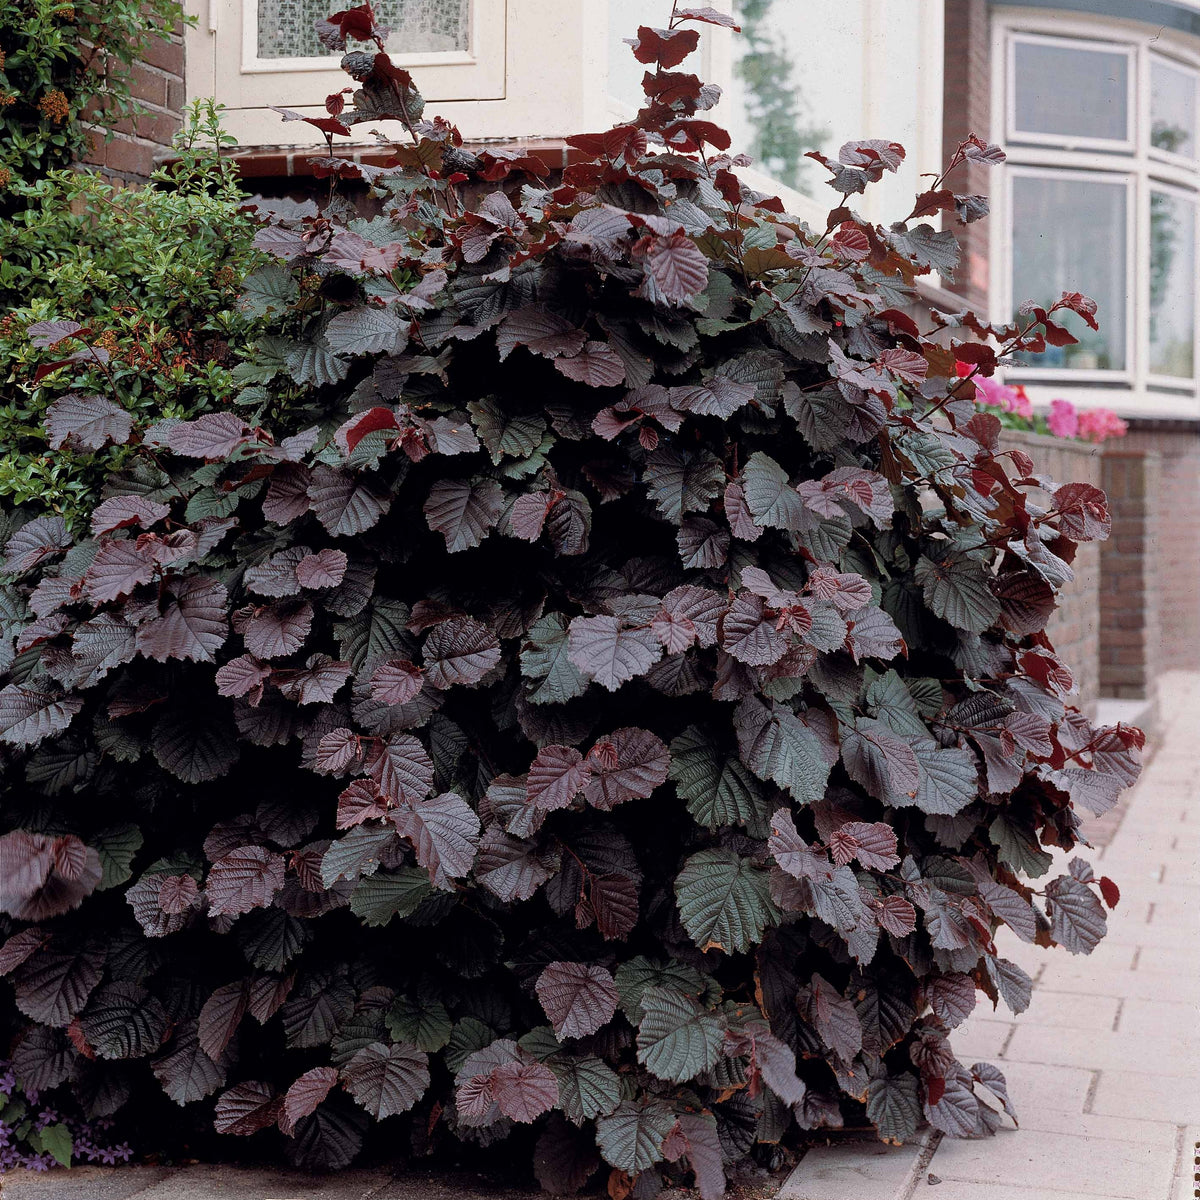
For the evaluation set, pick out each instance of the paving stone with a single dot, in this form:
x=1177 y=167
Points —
x=1148 y=1097
x=1159 y=893
x=955 y=1189
x=82 y=1183
x=1106 y=956
x=217 y=1182
x=1145 y=985
x=1180 y=912
x=1102 y=1050
x=980 y=1038
x=1037 y=1087
x=1162 y=1134
x=1067 y=1010
x=1187 y=1164
x=853 y=1171
x=1155 y=937
x=1031 y=1159
x=1175 y=960
x=443 y=1185
x=1160 y=1017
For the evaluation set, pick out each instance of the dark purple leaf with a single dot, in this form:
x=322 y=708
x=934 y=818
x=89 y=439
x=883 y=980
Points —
x=246 y=1109
x=444 y=832
x=579 y=998
x=387 y=1080
x=212 y=437
x=402 y=768
x=463 y=513
x=120 y=512
x=86 y=423
x=325 y=569
x=459 y=651
x=628 y=764
x=523 y=1091
x=190 y=625
x=346 y=504
x=120 y=565
x=306 y=1095
x=247 y=878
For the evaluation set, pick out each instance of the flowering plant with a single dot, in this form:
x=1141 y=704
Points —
x=1064 y=420
x=37 y=1136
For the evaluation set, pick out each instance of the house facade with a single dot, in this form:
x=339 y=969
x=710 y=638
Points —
x=1095 y=102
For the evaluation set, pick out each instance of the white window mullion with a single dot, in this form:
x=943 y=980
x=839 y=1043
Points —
x=1139 y=278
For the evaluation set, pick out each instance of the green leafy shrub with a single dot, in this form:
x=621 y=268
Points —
x=64 y=78
x=153 y=279
x=625 y=711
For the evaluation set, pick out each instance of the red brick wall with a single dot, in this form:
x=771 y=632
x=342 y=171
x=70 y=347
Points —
x=966 y=109
x=139 y=142
x=1170 y=541
x=1075 y=626
x=1130 y=629
x=1179 y=551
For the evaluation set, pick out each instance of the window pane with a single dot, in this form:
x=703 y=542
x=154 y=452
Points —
x=1069 y=92
x=1069 y=236
x=776 y=83
x=1172 y=284
x=1172 y=109
x=285 y=27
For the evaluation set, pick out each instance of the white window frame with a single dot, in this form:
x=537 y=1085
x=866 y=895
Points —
x=1181 y=382
x=1071 y=141
x=482 y=14
x=1134 y=391
x=1187 y=162
x=1110 y=178
x=536 y=70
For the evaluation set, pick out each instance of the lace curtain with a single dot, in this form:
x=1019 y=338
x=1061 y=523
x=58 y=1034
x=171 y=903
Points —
x=285 y=27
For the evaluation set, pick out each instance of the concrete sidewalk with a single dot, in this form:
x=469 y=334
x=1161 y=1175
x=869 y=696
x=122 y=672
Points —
x=1104 y=1066
x=208 y=1182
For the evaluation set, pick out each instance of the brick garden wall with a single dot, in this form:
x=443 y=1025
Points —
x=1151 y=591
x=1130 y=634
x=1075 y=627
x=158 y=84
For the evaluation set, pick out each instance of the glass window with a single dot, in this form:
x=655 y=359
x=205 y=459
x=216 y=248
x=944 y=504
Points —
x=768 y=112
x=1172 y=284
x=1071 y=91
x=1172 y=109
x=285 y=27
x=1069 y=236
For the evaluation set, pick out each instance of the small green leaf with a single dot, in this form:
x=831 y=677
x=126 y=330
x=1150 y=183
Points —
x=56 y=1141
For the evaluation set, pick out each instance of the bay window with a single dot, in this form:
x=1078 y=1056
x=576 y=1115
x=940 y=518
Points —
x=496 y=68
x=1099 y=196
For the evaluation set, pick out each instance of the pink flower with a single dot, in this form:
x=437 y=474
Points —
x=1063 y=419
x=988 y=391
x=1099 y=424
x=1018 y=403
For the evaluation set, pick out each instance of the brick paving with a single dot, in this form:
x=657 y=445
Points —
x=1104 y=1066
